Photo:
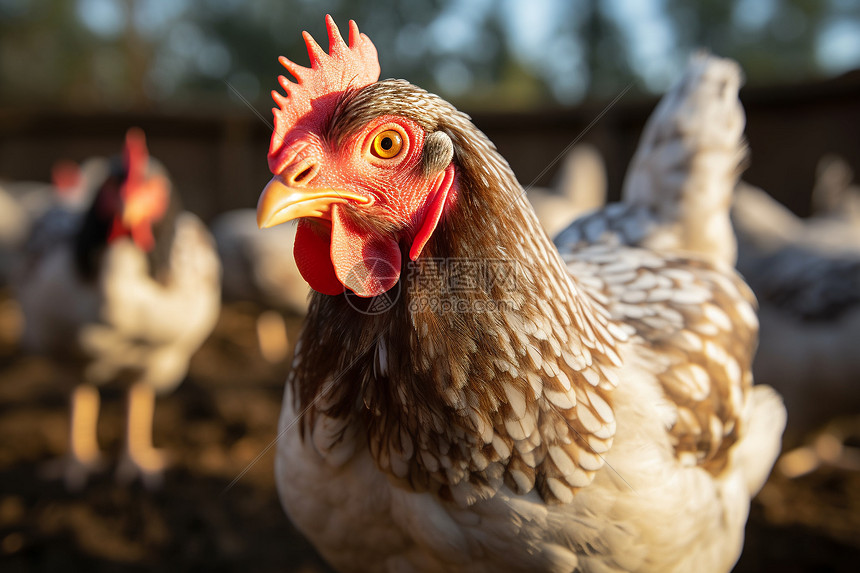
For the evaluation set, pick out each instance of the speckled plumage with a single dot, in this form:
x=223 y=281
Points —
x=678 y=188
x=602 y=419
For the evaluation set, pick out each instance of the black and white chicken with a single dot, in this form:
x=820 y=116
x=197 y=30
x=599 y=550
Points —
x=123 y=292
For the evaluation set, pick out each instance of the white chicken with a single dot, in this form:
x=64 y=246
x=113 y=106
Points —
x=123 y=293
x=256 y=270
x=806 y=276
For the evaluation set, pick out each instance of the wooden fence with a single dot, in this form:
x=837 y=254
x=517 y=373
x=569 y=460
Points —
x=217 y=159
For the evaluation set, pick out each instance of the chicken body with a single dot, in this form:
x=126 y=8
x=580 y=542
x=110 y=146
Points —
x=111 y=305
x=254 y=266
x=649 y=516
x=670 y=494
x=256 y=271
x=580 y=407
x=806 y=276
x=124 y=321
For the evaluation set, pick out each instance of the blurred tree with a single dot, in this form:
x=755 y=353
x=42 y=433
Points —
x=774 y=40
x=606 y=51
x=503 y=54
x=49 y=56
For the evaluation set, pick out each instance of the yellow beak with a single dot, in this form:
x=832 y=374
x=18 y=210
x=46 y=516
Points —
x=280 y=203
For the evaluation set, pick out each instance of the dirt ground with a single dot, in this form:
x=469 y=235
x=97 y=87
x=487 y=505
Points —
x=215 y=426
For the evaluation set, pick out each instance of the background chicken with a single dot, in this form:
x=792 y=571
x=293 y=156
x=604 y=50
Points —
x=255 y=270
x=124 y=294
x=806 y=276
x=22 y=203
x=600 y=416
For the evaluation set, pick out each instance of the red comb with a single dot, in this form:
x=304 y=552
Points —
x=353 y=66
x=65 y=175
x=135 y=155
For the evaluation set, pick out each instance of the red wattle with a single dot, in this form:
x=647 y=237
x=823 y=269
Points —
x=434 y=212
x=117 y=230
x=312 y=249
x=347 y=256
x=365 y=263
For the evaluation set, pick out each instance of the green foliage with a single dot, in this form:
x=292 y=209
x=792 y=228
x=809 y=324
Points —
x=114 y=54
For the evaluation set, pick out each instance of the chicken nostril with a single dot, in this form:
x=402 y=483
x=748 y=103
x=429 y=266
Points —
x=304 y=175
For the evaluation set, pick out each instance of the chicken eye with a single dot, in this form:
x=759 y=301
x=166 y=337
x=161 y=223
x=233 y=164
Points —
x=386 y=144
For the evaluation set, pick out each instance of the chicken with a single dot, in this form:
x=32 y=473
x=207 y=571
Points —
x=255 y=270
x=806 y=276
x=125 y=293
x=465 y=396
x=24 y=203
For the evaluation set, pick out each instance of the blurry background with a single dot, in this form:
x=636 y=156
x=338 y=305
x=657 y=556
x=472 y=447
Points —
x=147 y=54
x=533 y=74
x=196 y=76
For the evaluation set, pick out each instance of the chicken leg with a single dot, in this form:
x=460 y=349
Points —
x=140 y=458
x=83 y=457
